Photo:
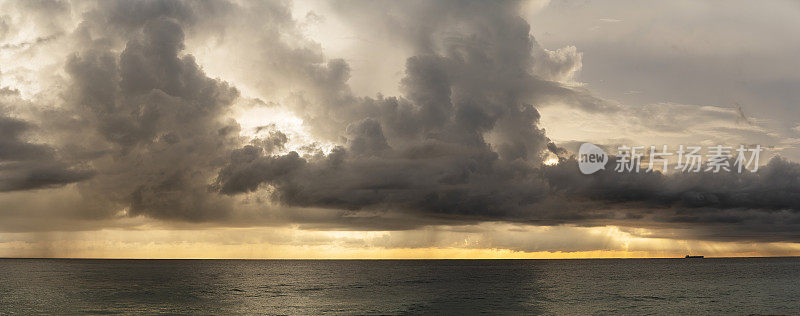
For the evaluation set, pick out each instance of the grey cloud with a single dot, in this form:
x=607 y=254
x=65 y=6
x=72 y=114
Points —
x=461 y=144
x=764 y=205
x=433 y=149
x=275 y=140
x=26 y=165
x=161 y=118
x=366 y=137
x=12 y=147
x=559 y=65
x=249 y=168
x=37 y=175
x=774 y=187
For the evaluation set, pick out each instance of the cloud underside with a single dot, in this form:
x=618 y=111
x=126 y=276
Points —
x=138 y=126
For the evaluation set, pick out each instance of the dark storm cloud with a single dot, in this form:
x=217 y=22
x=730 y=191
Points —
x=159 y=116
x=461 y=140
x=25 y=165
x=462 y=143
x=141 y=112
x=764 y=205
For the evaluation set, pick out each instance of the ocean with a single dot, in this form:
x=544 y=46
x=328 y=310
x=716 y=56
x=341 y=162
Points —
x=310 y=287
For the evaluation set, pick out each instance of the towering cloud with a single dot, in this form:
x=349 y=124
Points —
x=463 y=139
x=159 y=121
x=143 y=130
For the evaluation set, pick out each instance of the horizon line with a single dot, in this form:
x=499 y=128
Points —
x=390 y=259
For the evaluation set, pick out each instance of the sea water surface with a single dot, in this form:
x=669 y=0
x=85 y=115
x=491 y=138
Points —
x=602 y=286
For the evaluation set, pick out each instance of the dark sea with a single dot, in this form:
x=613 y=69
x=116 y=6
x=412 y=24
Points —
x=738 y=286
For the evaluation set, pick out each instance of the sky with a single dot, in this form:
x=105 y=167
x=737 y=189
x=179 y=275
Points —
x=386 y=129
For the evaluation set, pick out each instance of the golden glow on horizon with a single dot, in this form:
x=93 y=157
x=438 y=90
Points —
x=449 y=243
x=268 y=251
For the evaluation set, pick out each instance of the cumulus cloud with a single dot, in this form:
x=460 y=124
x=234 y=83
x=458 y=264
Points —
x=26 y=165
x=144 y=131
x=157 y=120
x=463 y=138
